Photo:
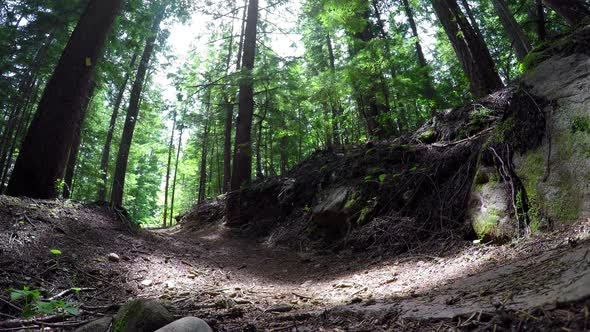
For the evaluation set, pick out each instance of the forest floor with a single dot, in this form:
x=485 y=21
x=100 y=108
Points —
x=236 y=284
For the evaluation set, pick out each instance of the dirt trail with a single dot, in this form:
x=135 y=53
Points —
x=235 y=283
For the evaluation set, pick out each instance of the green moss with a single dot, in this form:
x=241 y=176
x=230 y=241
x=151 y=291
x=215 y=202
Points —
x=532 y=60
x=129 y=310
x=503 y=130
x=486 y=223
x=580 y=124
x=428 y=137
x=565 y=207
x=480 y=114
x=531 y=172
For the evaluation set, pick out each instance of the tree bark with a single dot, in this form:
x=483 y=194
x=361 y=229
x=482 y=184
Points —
x=203 y=168
x=242 y=167
x=335 y=104
x=106 y=151
x=133 y=110
x=170 y=148
x=175 y=175
x=573 y=11
x=518 y=39
x=472 y=19
x=44 y=152
x=471 y=50
x=540 y=20
x=75 y=148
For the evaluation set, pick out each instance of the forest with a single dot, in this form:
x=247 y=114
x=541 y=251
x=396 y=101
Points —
x=251 y=162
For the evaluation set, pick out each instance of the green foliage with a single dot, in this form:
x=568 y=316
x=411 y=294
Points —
x=33 y=305
x=581 y=124
x=56 y=252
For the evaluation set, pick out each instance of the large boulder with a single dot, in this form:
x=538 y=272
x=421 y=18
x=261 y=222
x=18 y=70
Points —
x=141 y=315
x=187 y=324
x=490 y=209
x=333 y=211
x=557 y=174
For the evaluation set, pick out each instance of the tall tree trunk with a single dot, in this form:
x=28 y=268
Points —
x=259 y=174
x=170 y=149
x=229 y=114
x=472 y=19
x=335 y=103
x=175 y=175
x=473 y=53
x=44 y=152
x=21 y=100
x=133 y=110
x=518 y=39
x=23 y=124
x=106 y=151
x=574 y=11
x=203 y=167
x=242 y=167
x=540 y=20
x=75 y=148
x=284 y=149
x=429 y=91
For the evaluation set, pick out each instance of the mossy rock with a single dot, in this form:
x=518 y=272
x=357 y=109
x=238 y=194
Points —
x=141 y=315
x=490 y=211
x=428 y=136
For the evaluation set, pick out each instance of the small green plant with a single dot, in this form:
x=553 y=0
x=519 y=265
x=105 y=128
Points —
x=56 y=252
x=59 y=185
x=33 y=305
x=307 y=209
x=382 y=178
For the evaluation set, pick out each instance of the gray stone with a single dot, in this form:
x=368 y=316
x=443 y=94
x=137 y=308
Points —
x=142 y=315
x=114 y=257
x=187 y=324
x=332 y=211
x=99 y=325
x=490 y=207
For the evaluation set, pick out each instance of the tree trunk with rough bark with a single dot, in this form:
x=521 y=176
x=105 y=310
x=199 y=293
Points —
x=133 y=110
x=203 y=167
x=106 y=151
x=175 y=175
x=75 y=148
x=242 y=167
x=44 y=152
x=471 y=50
x=517 y=37
x=574 y=11
x=170 y=149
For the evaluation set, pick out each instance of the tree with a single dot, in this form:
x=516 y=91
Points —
x=106 y=151
x=242 y=166
x=44 y=152
x=75 y=148
x=469 y=47
x=133 y=110
x=574 y=11
x=518 y=39
x=168 y=166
